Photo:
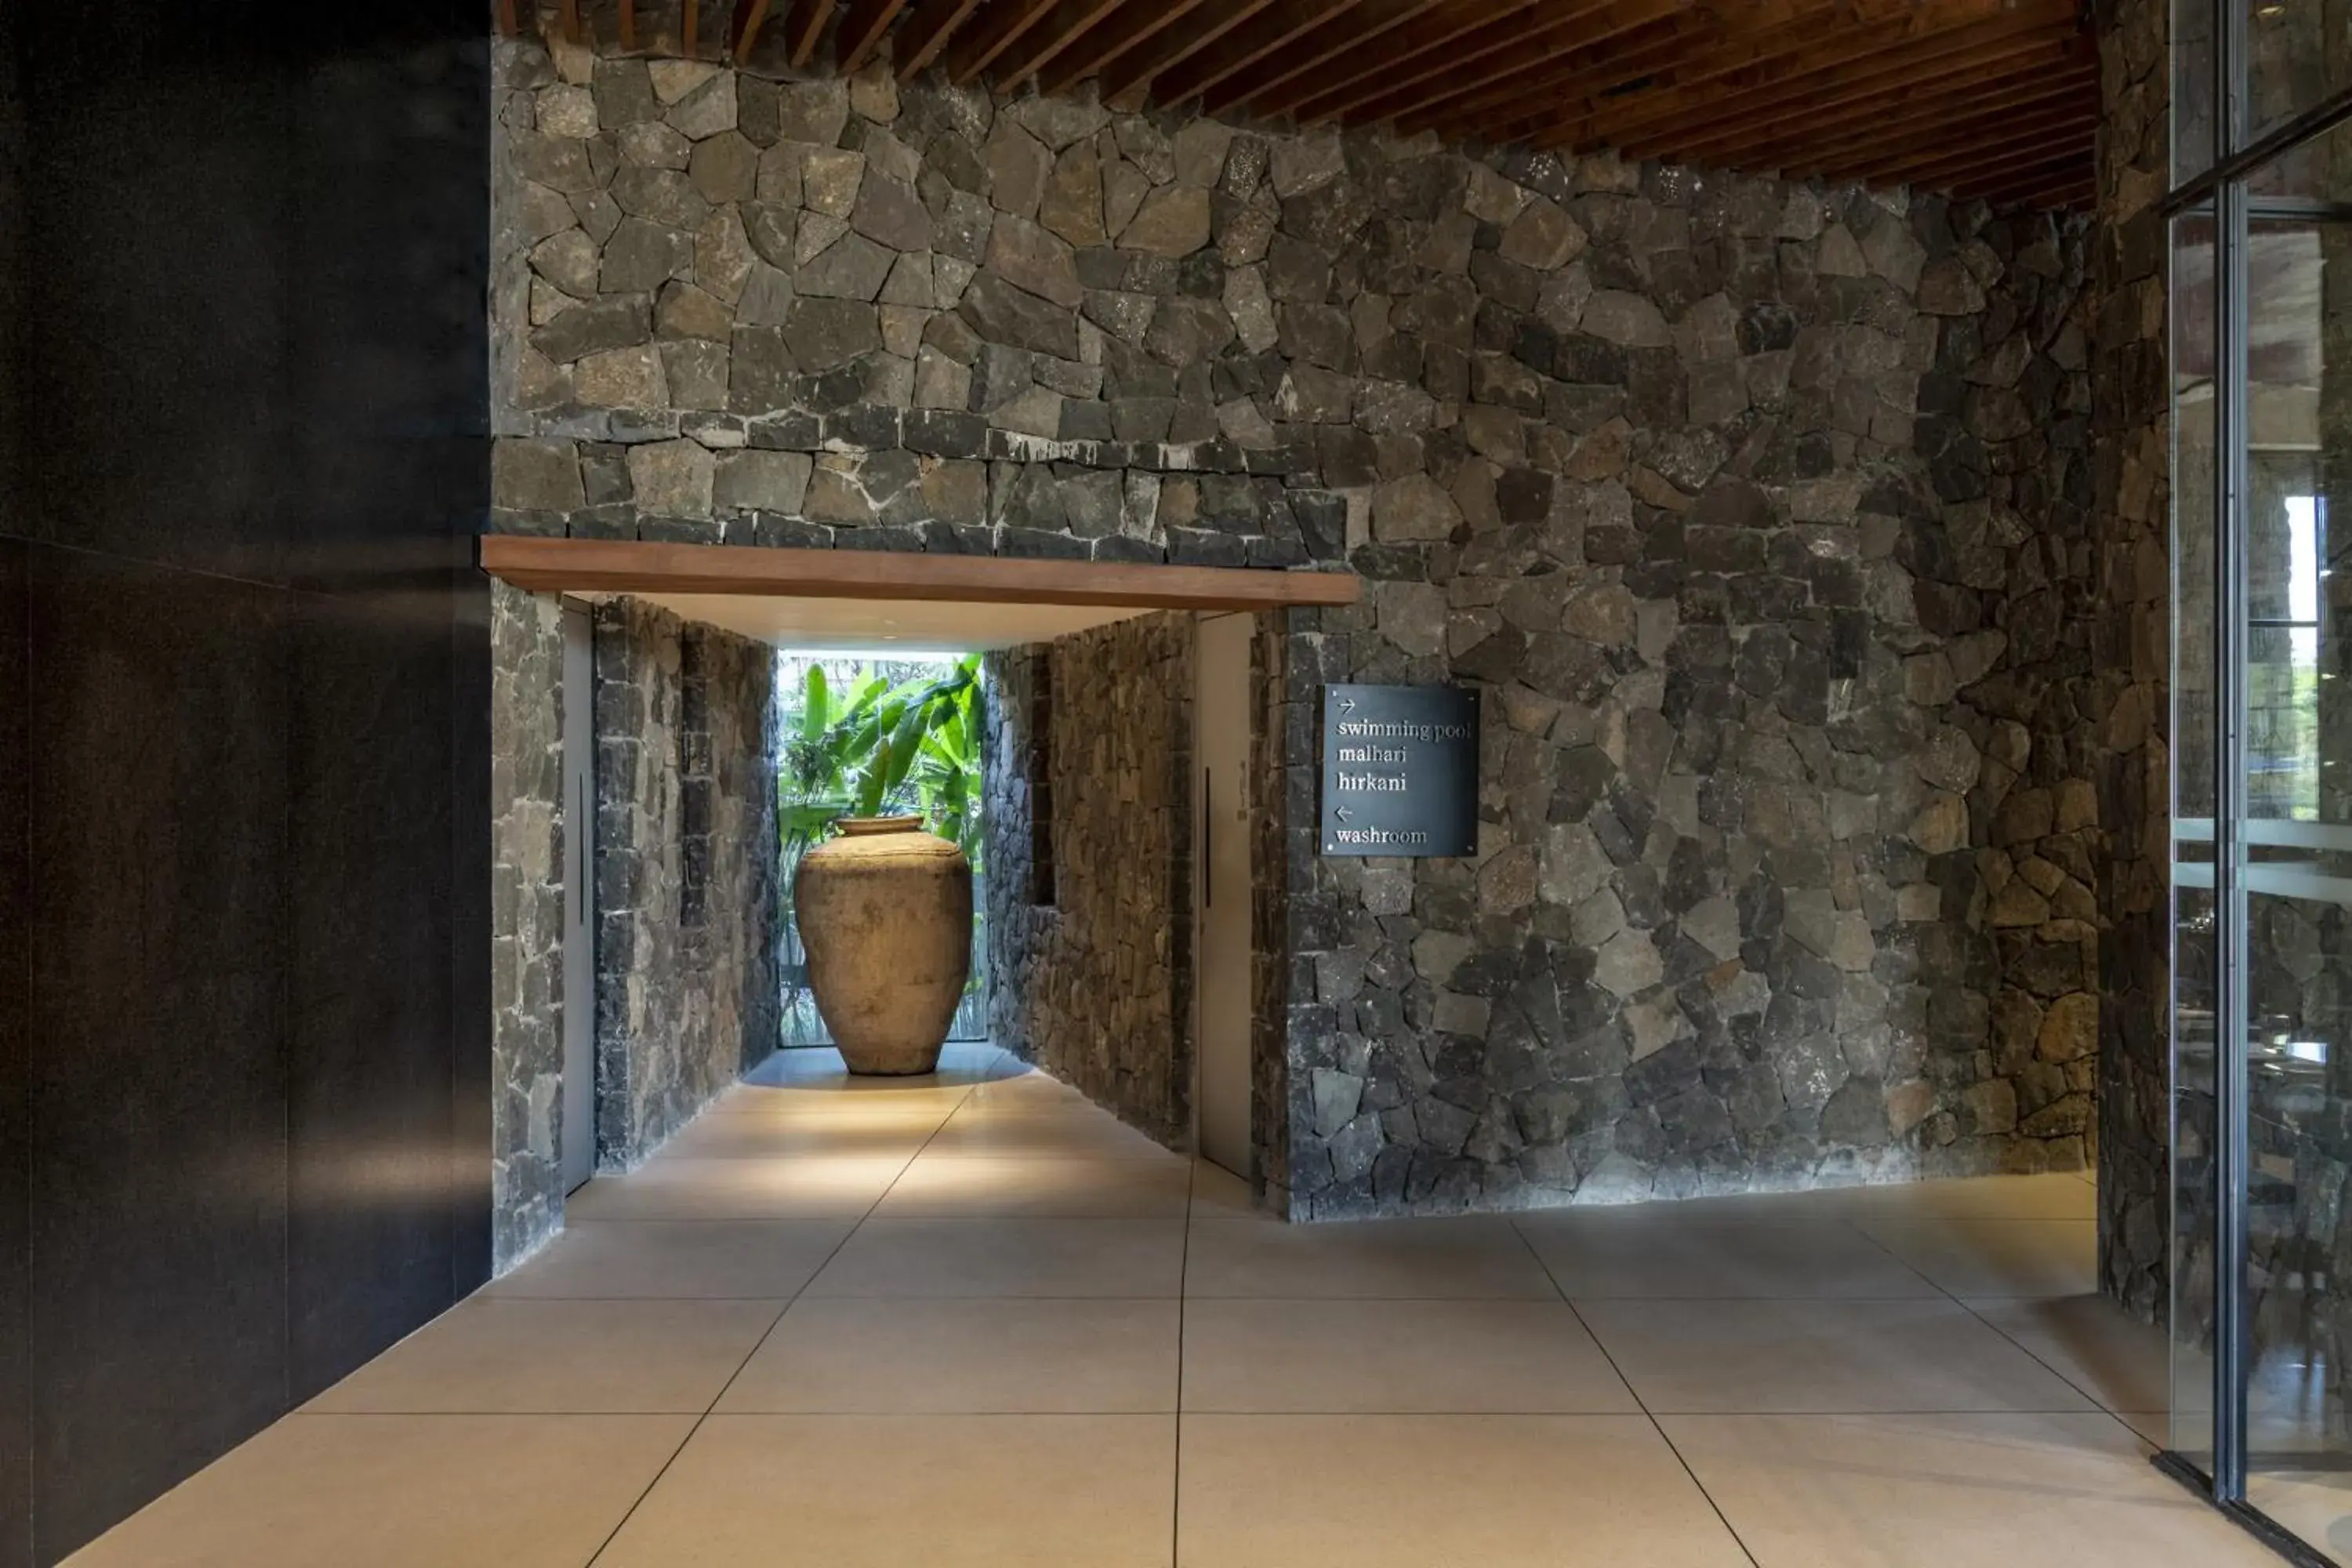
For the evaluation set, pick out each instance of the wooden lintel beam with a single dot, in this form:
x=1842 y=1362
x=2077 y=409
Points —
x=507 y=25
x=1410 y=84
x=628 y=24
x=1370 y=21
x=1375 y=61
x=992 y=31
x=863 y=27
x=1170 y=48
x=927 y=32
x=1068 y=22
x=1126 y=26
x=1268 y=32
x=567 y=13
x=624 y=567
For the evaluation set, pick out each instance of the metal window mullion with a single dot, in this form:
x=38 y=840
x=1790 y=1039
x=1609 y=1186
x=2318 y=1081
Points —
x=2231 y=632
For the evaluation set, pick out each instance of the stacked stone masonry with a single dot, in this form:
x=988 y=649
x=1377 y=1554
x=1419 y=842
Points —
x=1095 y=985
x=527 y=893
x=1761 y=511
x=686 y=984
x=2128 y=718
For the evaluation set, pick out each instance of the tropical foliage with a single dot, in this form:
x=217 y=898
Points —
x=872 y=745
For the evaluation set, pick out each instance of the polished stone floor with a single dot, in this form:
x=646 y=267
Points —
x=974 y=1320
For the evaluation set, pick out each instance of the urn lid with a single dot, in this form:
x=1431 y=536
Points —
x=866 y=826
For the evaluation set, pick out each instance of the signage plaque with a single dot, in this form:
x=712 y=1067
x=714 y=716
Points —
x=1400 y=770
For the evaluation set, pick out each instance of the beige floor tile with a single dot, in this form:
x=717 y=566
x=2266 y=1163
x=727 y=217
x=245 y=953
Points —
x=911 y=1356
x=793 y=1186
x=1479 y=1255
x=1997 y=1256
x=2315 y=1505
x=913 y=1111
x=947 y=1186
x=1395 y=1357
x=523 y=1357
x=1419 y=1492
x=1025 y=1087
x=403 y=1491
x=2123 y=1364
x=2059 y=1195
x=744 y=1259
x=952 y=1258
x=795 y=1138
x=1218 y=1194
x=1045 y=1131
x=1715 y=1357
x=891 y=1491
x=1627 y=1253
x=1958 y=1491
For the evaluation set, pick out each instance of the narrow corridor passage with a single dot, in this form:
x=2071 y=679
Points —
x=974 y=1321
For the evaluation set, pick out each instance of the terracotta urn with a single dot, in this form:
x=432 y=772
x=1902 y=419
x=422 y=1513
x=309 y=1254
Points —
x=885 y=914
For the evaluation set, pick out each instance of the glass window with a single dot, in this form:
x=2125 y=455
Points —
x=2193 y=147
x=2298 y=54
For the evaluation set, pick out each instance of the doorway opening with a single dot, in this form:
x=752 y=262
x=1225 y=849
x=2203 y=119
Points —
x=876 y=733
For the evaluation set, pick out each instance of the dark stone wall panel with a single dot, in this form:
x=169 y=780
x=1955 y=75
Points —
x=16 y=1077
x=370 y=1058
x=159 y=872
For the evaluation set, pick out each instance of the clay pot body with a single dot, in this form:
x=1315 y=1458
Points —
x=885 y=916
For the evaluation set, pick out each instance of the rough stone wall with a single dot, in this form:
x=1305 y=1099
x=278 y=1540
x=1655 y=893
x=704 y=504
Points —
x=1095 y=987
x=2130 y=714
x=1755 y=506
x=527 y=921
x=685 y=866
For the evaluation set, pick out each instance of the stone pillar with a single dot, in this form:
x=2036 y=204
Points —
x=2129 y=707
x=527 y=921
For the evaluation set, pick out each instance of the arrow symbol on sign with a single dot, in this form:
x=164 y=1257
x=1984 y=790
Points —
x=1347 y=705
x=1340 y=812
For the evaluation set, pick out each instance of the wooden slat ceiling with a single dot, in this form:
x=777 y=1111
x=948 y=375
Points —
x=1995 y=98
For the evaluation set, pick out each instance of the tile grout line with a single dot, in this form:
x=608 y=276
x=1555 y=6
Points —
x=1636 y=1395
x=2099 y=1407
x=623 y=1523
x=1183 y=1294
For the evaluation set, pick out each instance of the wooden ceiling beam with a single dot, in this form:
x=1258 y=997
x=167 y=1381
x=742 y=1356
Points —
x=1169 y=47
x=1479 y=100
x=567 y=16
x=1868 y=124
x=1684 y=41
x=1369 y=21
x=927 y=33
x=1440 y=99
x=803 y=28
x=1808 y=25
x=1745 y=117
x=1904 y=159
x=1060 y=28
x=1373 y=60
x=1406 y=86
x=2019 y=166
x=1262 y=37
x=1857 y=135
x=743 y=30
x=1807 y=80
x=991 y=31
x=1128 y=26
x=863 y=27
